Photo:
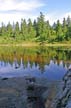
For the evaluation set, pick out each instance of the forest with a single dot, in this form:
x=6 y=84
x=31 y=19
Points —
x=37 y=31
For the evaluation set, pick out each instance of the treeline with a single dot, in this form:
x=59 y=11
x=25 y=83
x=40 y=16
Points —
x=38 y=30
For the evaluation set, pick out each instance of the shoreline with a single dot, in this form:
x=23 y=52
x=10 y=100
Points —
x=38 y=44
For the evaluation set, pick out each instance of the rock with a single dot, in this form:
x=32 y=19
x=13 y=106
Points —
x=64 y=98
x=4 y=78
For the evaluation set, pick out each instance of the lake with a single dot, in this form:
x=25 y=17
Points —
x=47 y=62
x=30 y=77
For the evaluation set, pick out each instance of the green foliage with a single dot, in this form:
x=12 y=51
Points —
x=38 y=30
x=64 y=28
x=41 y=28
x=3 y=30
x=59 y=32
x=9 y=30
x=24 y=30
x=16 y=30
x=31 y=30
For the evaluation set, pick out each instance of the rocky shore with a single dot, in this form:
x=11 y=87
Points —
x=28 y=92
x=63 y=98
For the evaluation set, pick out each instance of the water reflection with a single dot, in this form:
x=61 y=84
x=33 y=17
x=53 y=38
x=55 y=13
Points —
x=39 y=62
x=39 y=66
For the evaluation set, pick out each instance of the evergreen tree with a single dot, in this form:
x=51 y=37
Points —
x=68 y=21
x=41 y=28
x=59 y=32
x=9 y=30
x=53 y=35
x=16 y=30
x=64 y=28
x=48 y=28
x=35 y=27
x=68 y=35
x=53 y=32
x=31 y=30
x=3 y=30
x=24 y=29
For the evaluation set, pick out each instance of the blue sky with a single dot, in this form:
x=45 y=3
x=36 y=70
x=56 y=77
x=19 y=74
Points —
x=14 y=10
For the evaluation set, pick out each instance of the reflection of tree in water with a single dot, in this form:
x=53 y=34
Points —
x=40 y=59
x=15 y=60
x=41 y=67
x=39 y=56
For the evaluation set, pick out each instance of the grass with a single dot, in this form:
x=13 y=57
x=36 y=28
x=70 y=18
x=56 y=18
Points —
x=30 y=43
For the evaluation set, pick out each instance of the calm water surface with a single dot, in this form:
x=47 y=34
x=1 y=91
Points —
x=48 y=62
x=46 y=65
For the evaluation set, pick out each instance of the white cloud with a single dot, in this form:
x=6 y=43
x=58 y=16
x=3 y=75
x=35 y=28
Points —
x=67 y=14
x=5 y=18
x=6 y=5
x=14 y=10
x=53 y=17
x=23 y=5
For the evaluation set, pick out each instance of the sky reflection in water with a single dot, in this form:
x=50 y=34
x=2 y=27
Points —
x=38 y=63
